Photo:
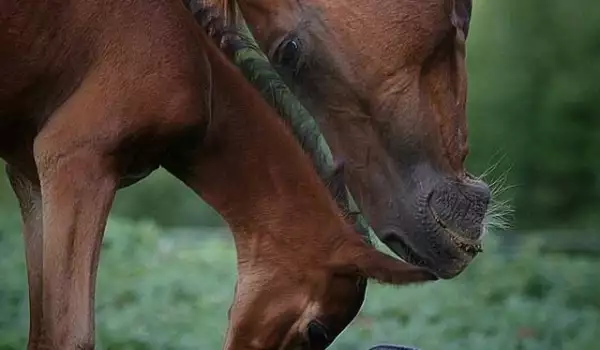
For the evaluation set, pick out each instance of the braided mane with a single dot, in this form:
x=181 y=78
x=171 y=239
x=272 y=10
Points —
x=227 y=9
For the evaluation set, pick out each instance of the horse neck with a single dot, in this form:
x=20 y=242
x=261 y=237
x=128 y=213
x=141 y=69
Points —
x=259 y=179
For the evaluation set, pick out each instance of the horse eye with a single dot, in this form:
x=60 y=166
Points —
x=288 y=53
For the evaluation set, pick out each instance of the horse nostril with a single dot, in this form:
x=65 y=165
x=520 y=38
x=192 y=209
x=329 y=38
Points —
x=480 y=190
x=460 y=207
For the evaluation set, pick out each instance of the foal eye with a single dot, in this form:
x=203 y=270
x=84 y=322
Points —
x=288 y=53
x=318 y=336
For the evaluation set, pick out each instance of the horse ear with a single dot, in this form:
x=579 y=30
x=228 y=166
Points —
x=461 y=15
x=357 y=258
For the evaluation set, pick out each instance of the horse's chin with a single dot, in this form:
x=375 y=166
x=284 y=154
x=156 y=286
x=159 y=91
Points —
x=444 y=253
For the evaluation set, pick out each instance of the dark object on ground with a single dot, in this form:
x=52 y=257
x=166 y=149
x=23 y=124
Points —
x=392 y=347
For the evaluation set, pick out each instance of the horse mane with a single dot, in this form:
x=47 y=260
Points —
x=228 y=29
x=225 y=9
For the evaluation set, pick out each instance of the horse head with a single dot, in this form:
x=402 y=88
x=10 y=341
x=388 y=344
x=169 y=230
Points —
x=388 y=85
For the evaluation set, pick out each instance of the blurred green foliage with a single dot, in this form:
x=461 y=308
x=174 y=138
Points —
x=533 y=104
x=162 y=292
x=533 y=118
x=163 y=198
x=160 y=198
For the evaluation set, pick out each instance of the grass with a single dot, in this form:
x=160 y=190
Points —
x=160 y=292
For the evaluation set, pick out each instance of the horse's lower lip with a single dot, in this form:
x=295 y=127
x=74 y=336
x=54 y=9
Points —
x=444 y=265
x=471 y=246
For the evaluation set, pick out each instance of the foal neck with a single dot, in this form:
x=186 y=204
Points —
x=264 y=185
x=286 y=226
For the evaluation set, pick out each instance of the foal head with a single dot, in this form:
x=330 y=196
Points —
x=387 y=83
x=301 y=287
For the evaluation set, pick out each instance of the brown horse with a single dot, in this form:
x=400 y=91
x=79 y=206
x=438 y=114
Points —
x=95 y=95
x=387 y=83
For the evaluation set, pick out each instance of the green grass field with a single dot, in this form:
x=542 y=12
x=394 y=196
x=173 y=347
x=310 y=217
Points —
x=163 y=292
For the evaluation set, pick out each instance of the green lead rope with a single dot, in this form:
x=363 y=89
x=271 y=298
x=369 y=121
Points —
x=258 y=70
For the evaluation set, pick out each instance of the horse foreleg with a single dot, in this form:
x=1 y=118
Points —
x=29 y=197
x=78 y=187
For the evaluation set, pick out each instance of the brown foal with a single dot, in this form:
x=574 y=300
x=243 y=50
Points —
x=95 y=96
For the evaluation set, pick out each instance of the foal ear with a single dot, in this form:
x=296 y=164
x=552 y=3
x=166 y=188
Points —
x=461 y=15
x=336 y=183
x=357 y=258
